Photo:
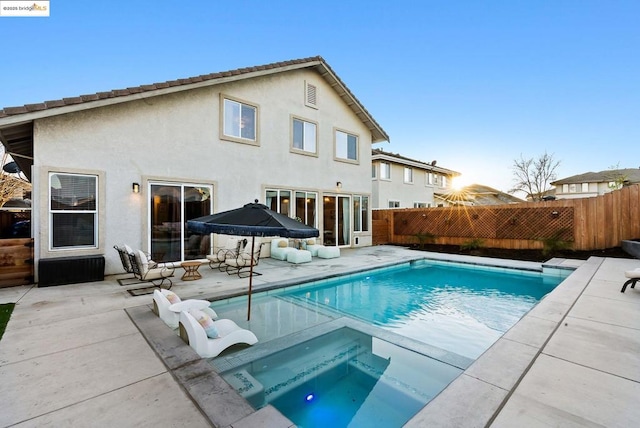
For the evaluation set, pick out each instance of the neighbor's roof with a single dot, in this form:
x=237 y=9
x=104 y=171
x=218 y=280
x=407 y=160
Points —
x=16 y=123
x=379 y=154
x=478 y=194
x=629 y=175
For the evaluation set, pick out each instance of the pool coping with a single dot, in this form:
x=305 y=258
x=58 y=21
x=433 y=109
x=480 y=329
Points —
x=477 y=384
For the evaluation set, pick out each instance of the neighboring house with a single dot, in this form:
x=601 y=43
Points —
x=401 y=182
x=595 y=183
x=133 y=165
x=478 y=195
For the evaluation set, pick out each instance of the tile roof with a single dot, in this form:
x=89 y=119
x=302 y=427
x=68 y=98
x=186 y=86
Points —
x=27 y=108
x=630 y=175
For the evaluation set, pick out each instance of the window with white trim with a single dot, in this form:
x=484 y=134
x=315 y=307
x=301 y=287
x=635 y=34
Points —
x=573 y=188
x=279 y=200
x=385 y=171
x=585 y=187
x=373 y=171
x=360 y=213
x=304 y=136
x=444 y=181
x=346 y=146
x=419 y=205
x=394 y=204
x=429 y=178
x=73 y=211
x=240 y=121
x=408 y=175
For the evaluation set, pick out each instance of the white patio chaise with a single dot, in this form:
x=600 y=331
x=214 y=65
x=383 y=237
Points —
x=167 y=305
x=229 y=333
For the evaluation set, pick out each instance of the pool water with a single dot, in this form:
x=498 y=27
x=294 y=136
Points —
x=463 y=309
x=349 y=378
x=343 y=378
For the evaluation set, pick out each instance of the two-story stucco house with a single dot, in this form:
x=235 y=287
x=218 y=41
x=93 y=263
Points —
x=401 y=182
x=132 y=165
x=592 y=184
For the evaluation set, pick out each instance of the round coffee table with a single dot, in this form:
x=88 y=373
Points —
x=190 y=271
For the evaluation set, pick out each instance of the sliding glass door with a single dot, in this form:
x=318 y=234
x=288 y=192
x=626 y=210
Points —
x=171 y=205
x=337 y=220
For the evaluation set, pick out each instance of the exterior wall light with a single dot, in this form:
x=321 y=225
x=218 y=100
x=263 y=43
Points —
x=135 y=188
x=339 y=184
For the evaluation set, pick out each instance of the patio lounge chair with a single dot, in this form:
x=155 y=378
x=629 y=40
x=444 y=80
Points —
x=229 y=333
x=150 y=271
x=241 y=263
x=634 y=276
x=123 y=251
x=280 y=248
x=232 y=247
x=167 y=305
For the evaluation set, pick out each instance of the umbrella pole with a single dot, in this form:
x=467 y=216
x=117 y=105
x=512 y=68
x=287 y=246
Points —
x=253 y=241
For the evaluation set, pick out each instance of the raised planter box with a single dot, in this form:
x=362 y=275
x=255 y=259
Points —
x=632 y=247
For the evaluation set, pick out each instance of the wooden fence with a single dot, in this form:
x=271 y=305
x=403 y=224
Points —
x=588 y=223
x=16 y=262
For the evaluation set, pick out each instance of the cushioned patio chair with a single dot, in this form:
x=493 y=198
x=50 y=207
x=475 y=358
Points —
x=240 y=264
x=167 y=305
x=312 y=245
x=634 y=276
x=280 y=248
x=150 y=271
x=123 y=251
x=225 y=333
x=232 y=247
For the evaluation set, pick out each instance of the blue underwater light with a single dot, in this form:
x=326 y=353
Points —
x=309 y=398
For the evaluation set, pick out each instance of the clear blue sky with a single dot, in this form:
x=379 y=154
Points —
x=471 y=84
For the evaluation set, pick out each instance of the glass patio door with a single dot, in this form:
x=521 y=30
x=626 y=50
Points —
x=171 y=205
x=337 y=220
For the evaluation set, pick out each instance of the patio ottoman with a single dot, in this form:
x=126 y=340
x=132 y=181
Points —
x=299 y=256
x=328 y=252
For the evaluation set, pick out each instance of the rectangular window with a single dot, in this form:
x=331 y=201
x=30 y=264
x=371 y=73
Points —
x=239 y=121
x=572 y=188
x=408 y=175
x=73 y=211
x=585 y=187
x=279 y=201
x=346 y=146
x=306 y=207
x=304 y=136
x=394 y=204
x=373 y=171
x=385 y=171
x=444 y=181
x=429 y=178
x=565 y=188
x=419 y=205
x=360 y=213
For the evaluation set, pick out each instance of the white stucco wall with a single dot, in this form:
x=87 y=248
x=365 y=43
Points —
x=397 y=190
x=176 y=137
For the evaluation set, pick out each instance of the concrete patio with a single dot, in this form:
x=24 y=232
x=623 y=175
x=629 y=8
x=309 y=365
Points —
x=72 y=355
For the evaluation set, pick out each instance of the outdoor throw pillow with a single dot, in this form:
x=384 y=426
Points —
x=206 y=322
x=171 y=296
x=311 y=241
x=282 y=244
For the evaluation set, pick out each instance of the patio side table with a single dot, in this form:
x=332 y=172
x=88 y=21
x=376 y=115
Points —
x=190 y=271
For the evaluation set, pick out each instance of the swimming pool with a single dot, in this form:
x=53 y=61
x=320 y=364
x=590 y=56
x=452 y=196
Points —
x=458 y=310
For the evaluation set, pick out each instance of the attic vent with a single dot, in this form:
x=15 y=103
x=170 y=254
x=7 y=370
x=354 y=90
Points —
x=310 y=94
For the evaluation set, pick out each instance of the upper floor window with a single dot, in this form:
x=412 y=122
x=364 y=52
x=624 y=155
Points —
x=394 y=204
x=419 y=205
x=240 y=121
x=304 y=136
x=346 y=146
x=373 y=171
x=429 y=178
x=408 y=175
x=585 y=187
x=385 y=171
x=573 y=188
x=444 y=181
x=73 y=211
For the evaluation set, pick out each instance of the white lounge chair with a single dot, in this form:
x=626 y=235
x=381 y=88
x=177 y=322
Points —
x=167 y=305
x=280 y=248
x=230 y=334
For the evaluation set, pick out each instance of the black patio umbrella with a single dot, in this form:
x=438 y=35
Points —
x=253 y=219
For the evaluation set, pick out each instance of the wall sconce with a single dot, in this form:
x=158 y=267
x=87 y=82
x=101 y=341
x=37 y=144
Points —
x=555 y=214
x=339 y=184
x=135 y=188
